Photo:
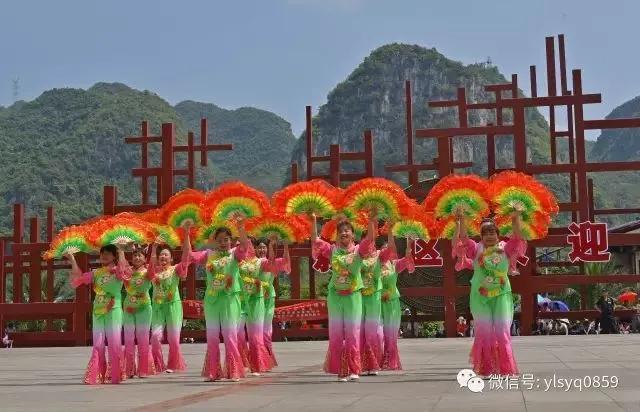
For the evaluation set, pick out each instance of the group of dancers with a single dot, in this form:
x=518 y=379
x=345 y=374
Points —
x=363 y=302
x=239 y=291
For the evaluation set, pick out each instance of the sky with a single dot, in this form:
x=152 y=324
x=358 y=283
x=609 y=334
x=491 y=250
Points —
x=281 y=55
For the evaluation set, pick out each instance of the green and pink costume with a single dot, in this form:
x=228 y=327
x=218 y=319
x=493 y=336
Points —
x=106 y=323
x=371 y=336
x=281 y=265
x=137 y=323
x=166 y=310
x=344 y=302
x=251 y=269
x=222 y=310
x=391 y=312
x=491 y=302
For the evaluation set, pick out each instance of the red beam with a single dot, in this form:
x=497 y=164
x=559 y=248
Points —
x=551 y=66
x=465 y=131
x=309 y=136
x=413 y=174
x=209 y=147
x=563 y=65
x=143 y=139
x=616 y=211
x=204 y=134
x=611 y=124
x=534 y=82
x=45 y=309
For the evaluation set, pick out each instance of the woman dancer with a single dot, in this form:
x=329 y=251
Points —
x=491 y=301
x=278 y=265
x=167 y=305
x=391 y=313
x=344 y=299
x=107 y=314
x=251 y=273
x=137 y=317
x=222 y=300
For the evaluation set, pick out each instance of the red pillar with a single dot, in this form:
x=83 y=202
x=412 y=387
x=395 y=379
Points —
x=168 y=142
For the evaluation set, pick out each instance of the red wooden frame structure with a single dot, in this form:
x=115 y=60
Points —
x=581 y=188
x=25 y=256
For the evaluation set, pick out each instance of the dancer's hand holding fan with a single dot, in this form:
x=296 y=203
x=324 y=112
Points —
x=120 y=230
x=514 y=192
x=414 y=224
x=314 y=197
x=166 y=235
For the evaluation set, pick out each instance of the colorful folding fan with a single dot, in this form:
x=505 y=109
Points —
x=416 y=224
x=205 y=232
x=511 y=191
x=233 y=198
x=537 y=230
x=375 y=193
x=313 y=197
x=167 y=235
x=446 y=228
x=454 y=192
x=70 y=240
x=290 y=229
x=183 y=207
x=120 y=230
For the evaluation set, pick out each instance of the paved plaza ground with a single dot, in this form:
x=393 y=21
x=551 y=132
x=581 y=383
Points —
x=49 y=379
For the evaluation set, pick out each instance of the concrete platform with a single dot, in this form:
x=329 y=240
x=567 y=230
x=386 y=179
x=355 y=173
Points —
x=49 y=379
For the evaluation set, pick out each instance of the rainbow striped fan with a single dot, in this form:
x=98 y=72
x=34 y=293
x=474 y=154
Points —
x=453 y=192
x=150 y=216
x=167 y=235
x=416 y=224
x=120 y=230
x=530 y=231
x=232 y=198
x=329 y=230
x=290 y=229
x=374 y=192
x=72 y=240
x=446 y=228
x=182 y=208
x=205 y=232
x=313 y=197
x=511 y=191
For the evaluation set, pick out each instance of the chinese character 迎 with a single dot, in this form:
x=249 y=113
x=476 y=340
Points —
x=589 y=242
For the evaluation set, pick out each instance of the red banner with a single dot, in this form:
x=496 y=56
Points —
x=311 y=310
x=192 y=309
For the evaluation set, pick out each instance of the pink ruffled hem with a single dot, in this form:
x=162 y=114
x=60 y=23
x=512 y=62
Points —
x=259 y=359
x=391 y=360
x=492 y=359
x=371 y=357
x=343 y=364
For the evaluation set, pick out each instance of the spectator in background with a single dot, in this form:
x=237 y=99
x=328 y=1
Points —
x=605 y=306
x=461 y=327
x=6 y=341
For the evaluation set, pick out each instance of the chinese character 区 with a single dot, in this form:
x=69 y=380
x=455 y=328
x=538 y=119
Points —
x=589 y=242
